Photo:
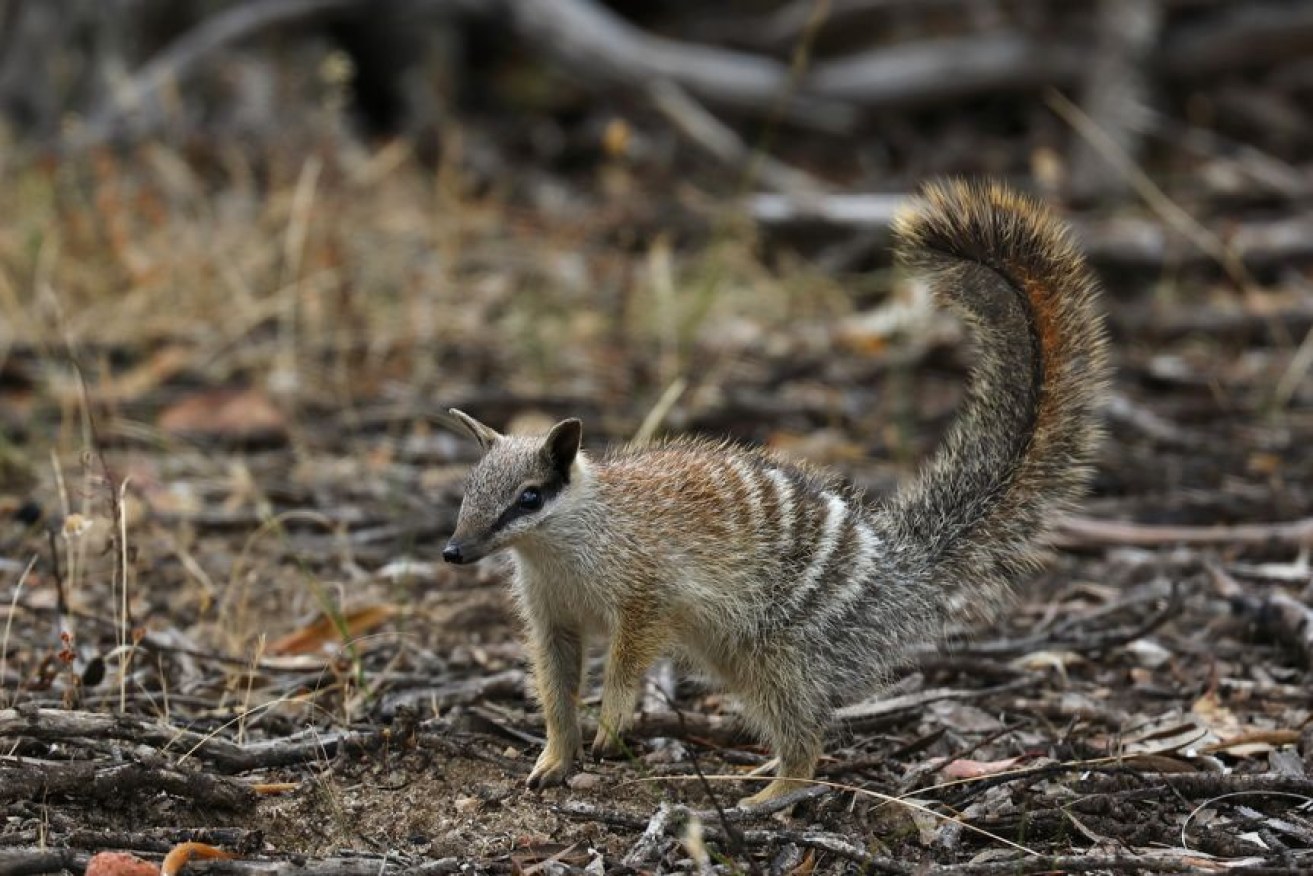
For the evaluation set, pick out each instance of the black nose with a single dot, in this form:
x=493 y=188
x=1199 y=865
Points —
x=451 y=553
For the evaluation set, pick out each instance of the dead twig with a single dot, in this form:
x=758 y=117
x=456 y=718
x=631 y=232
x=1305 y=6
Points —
x=650 y=841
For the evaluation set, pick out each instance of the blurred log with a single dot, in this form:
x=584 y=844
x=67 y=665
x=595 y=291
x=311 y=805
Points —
x=940 y=70
x=1242 y=35
x=1126 y=241
x=600 y=47
x=603 y=48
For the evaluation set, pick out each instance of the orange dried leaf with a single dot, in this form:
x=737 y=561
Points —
x=324 y=630
x=271 y=788
x=806 y=866
x=974 y=769
x=182 y=853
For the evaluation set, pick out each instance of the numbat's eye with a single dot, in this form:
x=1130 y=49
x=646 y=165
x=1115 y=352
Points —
x=530 y=499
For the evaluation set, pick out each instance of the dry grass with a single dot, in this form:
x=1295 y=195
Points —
x=342 y=287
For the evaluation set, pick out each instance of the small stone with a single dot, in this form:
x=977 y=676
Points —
x=666 y=751
x=584 y=781
x=511 y=752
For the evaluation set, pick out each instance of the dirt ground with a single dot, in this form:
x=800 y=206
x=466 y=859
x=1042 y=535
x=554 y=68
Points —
x=224 y=396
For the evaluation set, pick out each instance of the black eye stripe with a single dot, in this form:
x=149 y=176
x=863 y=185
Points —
x=547 y=491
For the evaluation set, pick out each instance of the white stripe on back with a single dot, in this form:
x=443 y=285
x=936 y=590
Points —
x=752 y=484
x=786 y=501
x=836 y=509
x=857 y=578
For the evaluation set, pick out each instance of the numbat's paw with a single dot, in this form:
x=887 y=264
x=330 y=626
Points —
x=606 y=745
x=777 y=788
x=551 y=769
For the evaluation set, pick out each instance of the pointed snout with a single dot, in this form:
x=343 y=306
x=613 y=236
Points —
x=463 y=551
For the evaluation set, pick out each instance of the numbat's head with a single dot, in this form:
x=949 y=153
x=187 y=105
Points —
x=517 y=487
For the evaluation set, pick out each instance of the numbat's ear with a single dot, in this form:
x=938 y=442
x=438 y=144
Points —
x=561 y=446
x=485 y=435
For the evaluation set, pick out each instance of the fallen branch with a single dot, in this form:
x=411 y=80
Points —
x=36 y=862
x=30 y=779
x=1086 y=532
x=224 y=755
x=941 y=70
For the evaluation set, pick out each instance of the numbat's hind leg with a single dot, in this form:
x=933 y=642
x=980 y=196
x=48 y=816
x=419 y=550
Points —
x=795 y=729
x=795 y=769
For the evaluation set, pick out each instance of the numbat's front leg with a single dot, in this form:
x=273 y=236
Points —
x=635 y=647
x=558 y=658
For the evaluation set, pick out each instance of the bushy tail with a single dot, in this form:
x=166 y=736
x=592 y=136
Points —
x=1020 y=452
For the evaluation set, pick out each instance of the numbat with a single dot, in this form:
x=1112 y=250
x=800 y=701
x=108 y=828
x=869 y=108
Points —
x=790 y=589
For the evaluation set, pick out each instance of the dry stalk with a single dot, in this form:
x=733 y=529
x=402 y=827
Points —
x=4 y=640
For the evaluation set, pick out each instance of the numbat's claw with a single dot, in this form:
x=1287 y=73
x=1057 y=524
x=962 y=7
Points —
x=551 y=769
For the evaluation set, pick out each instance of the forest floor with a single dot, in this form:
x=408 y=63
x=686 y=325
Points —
x=224 y=491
